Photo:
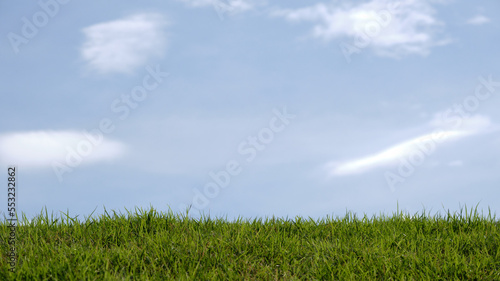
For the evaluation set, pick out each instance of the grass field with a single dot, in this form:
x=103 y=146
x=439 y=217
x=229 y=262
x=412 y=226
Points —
x=148 y=245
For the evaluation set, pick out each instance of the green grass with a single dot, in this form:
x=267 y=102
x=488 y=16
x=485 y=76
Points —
x=147 y=245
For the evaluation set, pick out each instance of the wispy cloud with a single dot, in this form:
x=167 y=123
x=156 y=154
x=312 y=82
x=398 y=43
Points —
x=229 y=5
x=41 y=148
x=478 y=20
x=124 y=44
x=471 y=126
x=412 y=27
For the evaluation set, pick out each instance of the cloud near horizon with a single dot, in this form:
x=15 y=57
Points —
x=393 y=29
x=122 y=45
x=41 y=148
x=438 y=135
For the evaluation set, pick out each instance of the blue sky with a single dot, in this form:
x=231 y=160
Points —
x=251 y=108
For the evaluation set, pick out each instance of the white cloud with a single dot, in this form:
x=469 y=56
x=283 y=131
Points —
x=391 y=28
x=124 y=44
x=41 y=148
x=474 y=125
x=232 y=6
x=478 y=20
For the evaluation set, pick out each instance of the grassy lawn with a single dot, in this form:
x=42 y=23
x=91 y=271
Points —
x=148 y=245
